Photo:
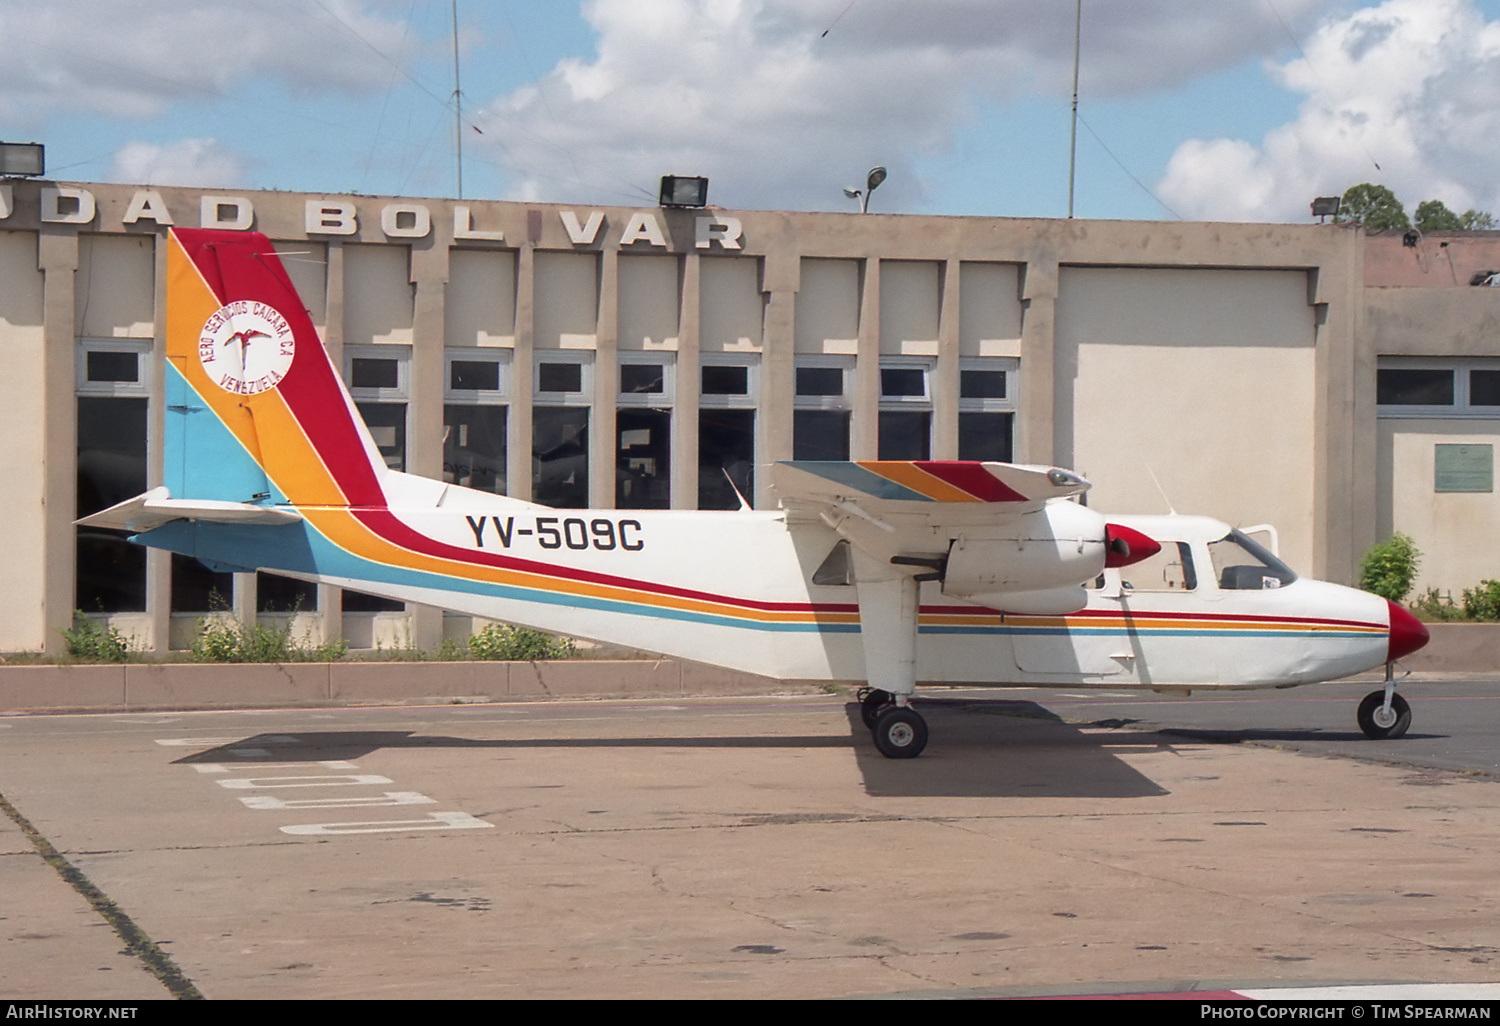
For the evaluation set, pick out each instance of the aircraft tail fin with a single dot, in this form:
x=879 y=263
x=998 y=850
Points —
x=256 y=412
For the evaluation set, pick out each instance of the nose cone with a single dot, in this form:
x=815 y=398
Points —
x=1125 y=545
x=1407 y=633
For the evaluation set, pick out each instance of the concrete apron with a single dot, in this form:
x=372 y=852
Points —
x=760 y=848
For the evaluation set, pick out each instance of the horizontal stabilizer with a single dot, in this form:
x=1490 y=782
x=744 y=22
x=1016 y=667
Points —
x=156 y=507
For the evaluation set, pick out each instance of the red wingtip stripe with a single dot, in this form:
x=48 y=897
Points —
x=971 y=476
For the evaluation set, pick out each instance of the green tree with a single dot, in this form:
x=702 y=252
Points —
x=1373 y=206
x=1434 y=216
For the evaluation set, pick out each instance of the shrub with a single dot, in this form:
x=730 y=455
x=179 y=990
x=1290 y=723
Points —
x=95 y=642
x=1483 y=602
x=1389 y=568
x=499 y=641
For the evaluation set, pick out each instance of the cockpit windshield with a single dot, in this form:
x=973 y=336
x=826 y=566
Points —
x=1242 y=564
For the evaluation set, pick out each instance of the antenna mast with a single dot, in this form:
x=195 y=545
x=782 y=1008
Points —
x=1073 y=136
x=458 y=113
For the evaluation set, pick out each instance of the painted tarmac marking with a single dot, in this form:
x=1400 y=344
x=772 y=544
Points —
x=330 y=780
x=219 y=767
x=218 y=742
x=434 y=821
x=272 y=803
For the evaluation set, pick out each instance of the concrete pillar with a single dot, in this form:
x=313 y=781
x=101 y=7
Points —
x=864 y=432
x=944 y=384
x=602 y=436
x=429 y=274
x=518 y=431
x=330 y=597
x=685 y=400
x=57 y=256
x=1037 y=426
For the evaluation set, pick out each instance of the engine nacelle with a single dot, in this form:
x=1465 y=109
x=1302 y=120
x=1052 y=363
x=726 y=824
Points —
x=1059 y=546
x=1050 y=602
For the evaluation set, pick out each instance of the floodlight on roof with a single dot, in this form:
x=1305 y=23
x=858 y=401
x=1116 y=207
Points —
x=26 y=160
x=1326 y=206
x=683 y=191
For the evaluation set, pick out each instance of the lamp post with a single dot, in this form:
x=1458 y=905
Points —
x=872 y=182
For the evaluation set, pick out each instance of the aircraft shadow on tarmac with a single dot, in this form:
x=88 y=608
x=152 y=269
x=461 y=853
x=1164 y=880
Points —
x=978 y=749
x=1284 y=735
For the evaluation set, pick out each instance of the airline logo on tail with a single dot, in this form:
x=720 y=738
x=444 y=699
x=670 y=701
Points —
x=232 y=354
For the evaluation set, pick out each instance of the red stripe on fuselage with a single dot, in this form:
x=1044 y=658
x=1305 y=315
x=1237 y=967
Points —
x=385 y=525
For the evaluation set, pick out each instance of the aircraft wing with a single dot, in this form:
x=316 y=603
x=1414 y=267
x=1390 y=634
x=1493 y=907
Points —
x=875 y=487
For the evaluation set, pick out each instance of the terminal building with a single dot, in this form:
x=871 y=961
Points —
x=1335 y=384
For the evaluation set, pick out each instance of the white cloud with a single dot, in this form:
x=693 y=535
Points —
x=751 y=93
x=194 y=162
x=1413 y=85
x=133 y=60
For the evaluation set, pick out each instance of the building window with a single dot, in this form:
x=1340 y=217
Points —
x=475 y=414
x=1424 y=387
x=113 y=386
x=820 y=408
x=564 y=384
x=378 y=379
x=986 y=409
x=729 y=393
x=379 y=383
x=905 y=428
x=643 y=428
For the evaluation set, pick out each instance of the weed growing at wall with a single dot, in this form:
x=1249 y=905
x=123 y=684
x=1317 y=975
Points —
x=221 y=638
x=93 y=642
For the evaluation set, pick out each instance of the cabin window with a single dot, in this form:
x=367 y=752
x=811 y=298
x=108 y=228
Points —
x=1241 y=564
x=1171 y=569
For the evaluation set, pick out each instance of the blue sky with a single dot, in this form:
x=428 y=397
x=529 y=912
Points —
x=1238 y=110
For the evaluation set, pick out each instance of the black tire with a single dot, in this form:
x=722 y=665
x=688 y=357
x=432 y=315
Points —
x=871 y=702
x=900 y=733
x=1374 y=725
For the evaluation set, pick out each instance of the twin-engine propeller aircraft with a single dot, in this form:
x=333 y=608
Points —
x=881 y=572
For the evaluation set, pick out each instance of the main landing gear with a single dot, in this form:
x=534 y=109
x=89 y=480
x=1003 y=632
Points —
x=1384 y=715
x=898 y=729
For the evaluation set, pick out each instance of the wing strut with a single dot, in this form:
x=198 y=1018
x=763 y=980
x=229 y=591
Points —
x=888 y=607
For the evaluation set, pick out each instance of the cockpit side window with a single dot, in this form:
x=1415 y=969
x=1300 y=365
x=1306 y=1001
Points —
x=1242 y=564
x=1171 y=569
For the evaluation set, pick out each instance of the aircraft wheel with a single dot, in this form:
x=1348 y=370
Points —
x=871 y=701
x=900 y=733
x=1380 y=725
